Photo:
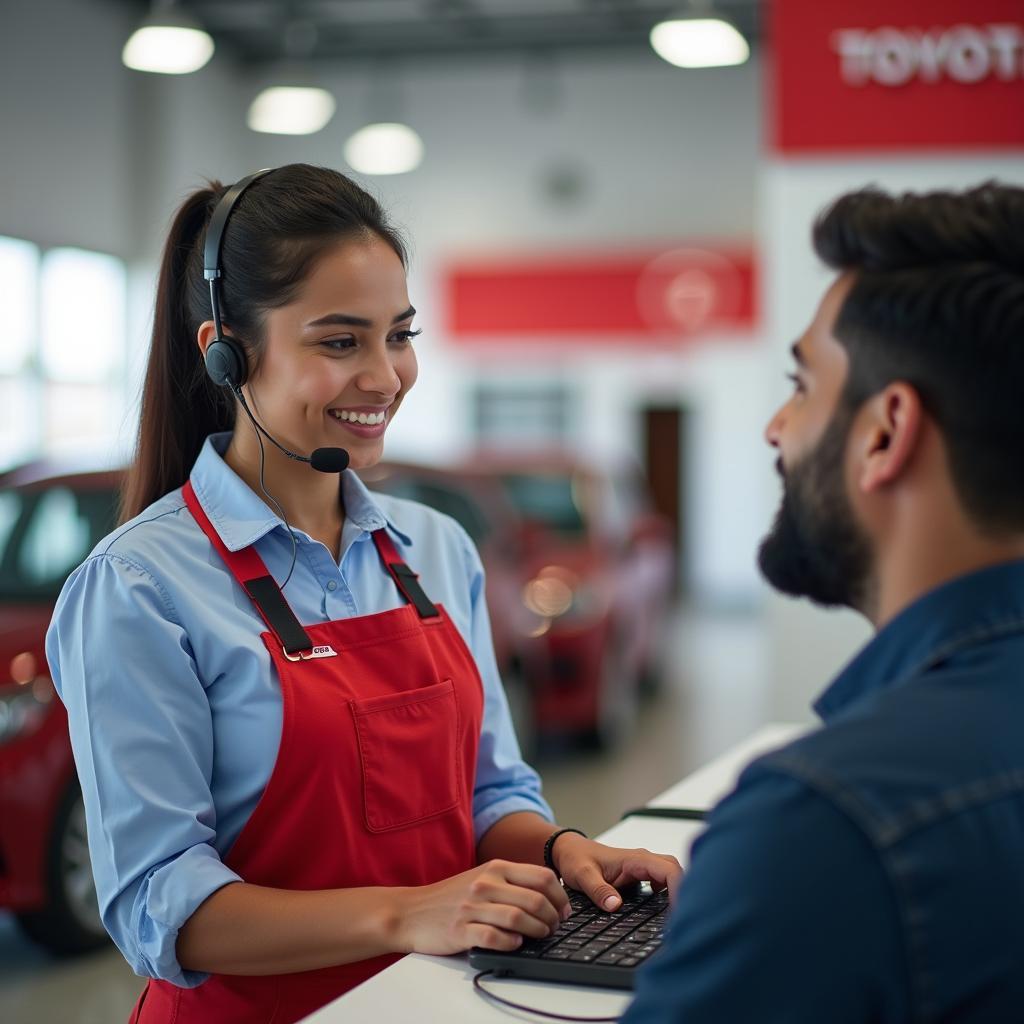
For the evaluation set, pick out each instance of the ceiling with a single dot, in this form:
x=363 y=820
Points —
x=260 y=31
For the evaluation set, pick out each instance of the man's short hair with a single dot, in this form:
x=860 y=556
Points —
x=937 y=301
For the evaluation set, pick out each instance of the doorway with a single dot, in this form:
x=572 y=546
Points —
x=664 y=449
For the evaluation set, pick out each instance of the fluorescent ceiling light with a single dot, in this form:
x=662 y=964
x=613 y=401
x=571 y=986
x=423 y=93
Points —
x=385 y=148
x=291 y=110
x=699 y=43
x=168 y=42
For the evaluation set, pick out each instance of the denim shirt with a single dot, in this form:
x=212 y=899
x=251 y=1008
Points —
x=874 y=869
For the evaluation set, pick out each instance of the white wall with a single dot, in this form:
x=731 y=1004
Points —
x=68 y=117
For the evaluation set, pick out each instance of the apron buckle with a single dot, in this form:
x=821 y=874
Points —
x=324 y=651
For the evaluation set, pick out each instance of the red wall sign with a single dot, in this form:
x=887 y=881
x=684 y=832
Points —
x=670 y=295
x=897 y=74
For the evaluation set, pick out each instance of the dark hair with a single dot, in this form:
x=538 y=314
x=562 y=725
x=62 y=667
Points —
x=277 y=231
x=937 y=301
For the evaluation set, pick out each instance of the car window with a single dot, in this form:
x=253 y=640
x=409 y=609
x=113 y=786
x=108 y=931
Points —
x=10 y=511
x=551 y=499
x=462 y=508
x=53 y=531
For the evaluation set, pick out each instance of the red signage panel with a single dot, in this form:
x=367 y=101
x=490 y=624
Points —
x=896 y=74
x=672 y=294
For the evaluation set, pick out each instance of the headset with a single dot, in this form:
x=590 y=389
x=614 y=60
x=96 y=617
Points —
x=226 y=363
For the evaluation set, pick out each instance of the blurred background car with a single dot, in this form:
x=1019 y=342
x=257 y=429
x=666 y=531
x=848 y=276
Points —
x=479 y=504
x=598 y=567
x=579 y=582
x=49 y=521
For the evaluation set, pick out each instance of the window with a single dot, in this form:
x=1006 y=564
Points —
x=19 y=269
x=82 y=308
x=62 y=351
x=509 y=416
x=45 y=533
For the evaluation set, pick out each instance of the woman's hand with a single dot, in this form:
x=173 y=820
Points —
x=600 y=870
x=492 y=905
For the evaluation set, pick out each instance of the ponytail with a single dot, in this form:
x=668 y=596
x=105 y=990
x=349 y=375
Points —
x=180 y=405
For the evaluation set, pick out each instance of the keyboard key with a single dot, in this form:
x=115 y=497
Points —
x=628 y=961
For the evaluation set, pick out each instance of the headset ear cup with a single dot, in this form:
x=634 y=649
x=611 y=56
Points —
x=225 y=363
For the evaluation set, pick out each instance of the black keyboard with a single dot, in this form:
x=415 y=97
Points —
x=593 y=947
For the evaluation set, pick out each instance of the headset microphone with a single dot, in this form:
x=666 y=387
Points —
x=225 y=360
x=326 y=460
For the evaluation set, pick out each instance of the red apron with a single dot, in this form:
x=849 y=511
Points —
x=373 y=783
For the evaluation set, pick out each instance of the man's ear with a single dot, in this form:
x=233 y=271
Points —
x=888 y=435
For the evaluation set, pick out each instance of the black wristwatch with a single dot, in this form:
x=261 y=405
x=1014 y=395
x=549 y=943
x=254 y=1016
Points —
x=550 y=845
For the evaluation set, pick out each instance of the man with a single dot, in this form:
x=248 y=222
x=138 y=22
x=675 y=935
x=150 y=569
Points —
x=874 y=870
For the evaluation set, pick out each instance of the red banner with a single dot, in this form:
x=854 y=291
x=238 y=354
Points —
x=897 y=74
x=670 y=295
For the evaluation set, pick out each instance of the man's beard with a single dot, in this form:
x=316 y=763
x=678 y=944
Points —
x=815 y=548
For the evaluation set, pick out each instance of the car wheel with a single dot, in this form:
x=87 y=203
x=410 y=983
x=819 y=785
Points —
x=70 y=922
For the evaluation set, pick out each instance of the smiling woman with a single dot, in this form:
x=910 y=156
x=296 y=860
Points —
x=292 y=791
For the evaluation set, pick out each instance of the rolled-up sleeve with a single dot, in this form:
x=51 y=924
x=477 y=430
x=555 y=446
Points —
x=141 y=731
x=505 y=783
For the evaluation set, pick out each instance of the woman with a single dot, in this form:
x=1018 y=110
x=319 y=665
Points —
x=296 y=765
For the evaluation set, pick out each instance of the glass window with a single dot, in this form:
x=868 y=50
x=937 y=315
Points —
x=83 y=418
x=20 y=416
x=511 y=416
x=82 y=314
x=19 y=267
x=10 y=510
x=56 y=541
x=57 y=529
x=552 y=499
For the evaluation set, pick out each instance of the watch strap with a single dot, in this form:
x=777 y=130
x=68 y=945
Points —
x=550 y=845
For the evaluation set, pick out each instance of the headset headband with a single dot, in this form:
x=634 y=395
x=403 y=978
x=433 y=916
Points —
x=219 y=221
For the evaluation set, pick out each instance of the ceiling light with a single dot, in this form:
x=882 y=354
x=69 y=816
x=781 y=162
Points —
x=385 y=148
x=168 y=42
x=689 y=42
x=291 y=110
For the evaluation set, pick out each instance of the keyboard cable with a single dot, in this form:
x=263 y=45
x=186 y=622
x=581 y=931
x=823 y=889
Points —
x=488 y=994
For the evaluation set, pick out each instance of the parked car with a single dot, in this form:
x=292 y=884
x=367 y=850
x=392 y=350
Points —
x=598 y=566
x=49 y=521
x=480 y=506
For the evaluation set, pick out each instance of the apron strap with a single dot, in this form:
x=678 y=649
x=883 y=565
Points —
x=405 y=579
x=247 y=567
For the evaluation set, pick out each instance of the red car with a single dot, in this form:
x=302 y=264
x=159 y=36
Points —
x=48 y=524
x=480 y=506
x=597 y=568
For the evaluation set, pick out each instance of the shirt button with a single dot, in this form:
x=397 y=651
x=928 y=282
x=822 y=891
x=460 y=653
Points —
x=332 y=585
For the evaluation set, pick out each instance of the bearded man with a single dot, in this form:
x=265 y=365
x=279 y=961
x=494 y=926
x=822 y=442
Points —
x=873 y=871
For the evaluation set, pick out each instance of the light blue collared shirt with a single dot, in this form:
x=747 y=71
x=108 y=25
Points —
x=175 y=709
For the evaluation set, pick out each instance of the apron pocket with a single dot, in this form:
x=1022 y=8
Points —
x=408 y=748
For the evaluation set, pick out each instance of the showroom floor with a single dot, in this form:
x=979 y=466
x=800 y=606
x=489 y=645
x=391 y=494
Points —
x=714 y=695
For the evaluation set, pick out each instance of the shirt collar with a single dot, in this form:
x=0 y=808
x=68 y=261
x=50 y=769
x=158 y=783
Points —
x=242 y=517
x=968 y=610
